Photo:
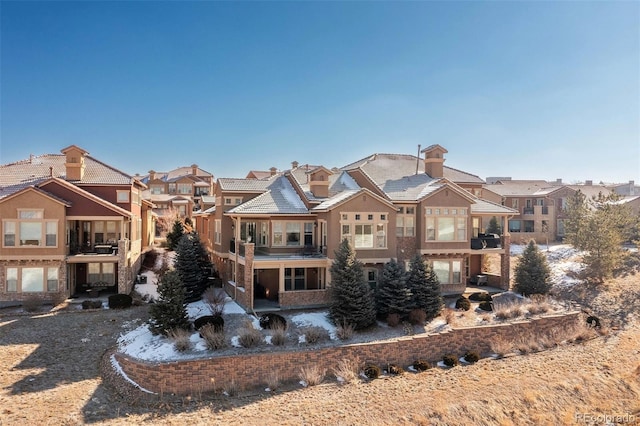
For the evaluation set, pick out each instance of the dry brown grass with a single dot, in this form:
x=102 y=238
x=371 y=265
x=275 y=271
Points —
x=181 y=339
x=32 y=304
x=214 y=340
x=312 y=375
x=248 y=336
x=344 y=331
x=347 y=370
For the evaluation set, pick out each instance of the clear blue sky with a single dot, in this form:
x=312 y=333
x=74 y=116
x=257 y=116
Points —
x=539 y=90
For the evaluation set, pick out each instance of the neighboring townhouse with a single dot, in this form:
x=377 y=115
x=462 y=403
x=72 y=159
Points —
x=540 y=205
x=184 y=190
x=629 y=189
x=274 y=238
x=69 y=222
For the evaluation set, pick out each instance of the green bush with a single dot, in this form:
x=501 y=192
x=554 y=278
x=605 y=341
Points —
x=486 y=306
x=450 y=360
x=480 y=297
x=471 y=356
x=372 y=371
x=463 y=303
x=421 y=365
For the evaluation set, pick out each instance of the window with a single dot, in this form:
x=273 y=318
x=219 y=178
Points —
x=293 y=233
x=371 y=275
x=217 y=234
x=446 y=224
x=294 y=279
x=561 y=227
x=514 y=203
x=515 y=225
x=101 y=272
x=51 y=236
x=157 y=189
x=12 y=279
x=98 y=235
x=32 y=280
x=369 y=234
x=9 y=233
x=277 y=234
x=308 y=234
x=30 y=233
x=528 y=225
x=172 y=188
x=52 y=279
x=123 y=196
x=184 y=188
x=448 y=271
x=405 y=222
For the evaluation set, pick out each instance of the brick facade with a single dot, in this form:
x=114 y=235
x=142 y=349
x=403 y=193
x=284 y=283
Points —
x=251 y=370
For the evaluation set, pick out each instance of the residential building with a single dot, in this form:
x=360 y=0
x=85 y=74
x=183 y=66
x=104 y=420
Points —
x=68 y=222
x=184 y=190
x=274 y=238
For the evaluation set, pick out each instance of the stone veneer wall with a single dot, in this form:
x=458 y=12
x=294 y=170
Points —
x=251 y=370
x=45 y=296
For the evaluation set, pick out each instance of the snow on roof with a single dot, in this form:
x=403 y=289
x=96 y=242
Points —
x=280 y=198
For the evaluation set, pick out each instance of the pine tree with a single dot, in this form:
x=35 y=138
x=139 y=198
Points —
x=189 y=268
x=494 y=227
x=424 y=285
x=392 y=294
x=599 y=226
x=169 y=311
x=532 y=274
x=351 y=297
x=176 y=233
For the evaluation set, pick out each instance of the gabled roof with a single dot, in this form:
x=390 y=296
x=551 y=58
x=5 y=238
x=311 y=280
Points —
x=347 y=195
x=243 y=185
x=395 y=175
x=280 y=198
x=87 y=195
x=29 y=172
x=515 y=188
x=40 y=192
x=481 y=206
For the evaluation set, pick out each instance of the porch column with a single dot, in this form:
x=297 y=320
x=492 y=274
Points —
x=281 y=279
x=505 y=259
x=248 y=273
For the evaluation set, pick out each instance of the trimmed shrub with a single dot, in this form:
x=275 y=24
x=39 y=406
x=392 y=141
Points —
x=271 y=320
x=120 y=301
x=393 y=320
x=417 y=317
x=217 y=322
x=472 y=356
x=394 y=369
x=450 y=360
x=486 y=306
x=372 y=371
x=92 y=304
x=421 y=365
x=463 y=303
x=480 y=297
x=278 y=336
x=593 y=321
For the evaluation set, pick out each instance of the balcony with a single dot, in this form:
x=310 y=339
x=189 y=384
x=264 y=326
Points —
x=527 y=210
x=485 y=241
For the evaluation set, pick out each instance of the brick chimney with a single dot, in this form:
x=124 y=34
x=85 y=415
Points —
x=588 y=182
x=152 y=175
x=294 y=164
x=273 y=171
x=434 y=160
x=194 y=169
x=74 y=162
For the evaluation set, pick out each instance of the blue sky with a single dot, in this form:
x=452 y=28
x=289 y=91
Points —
x=539 y=90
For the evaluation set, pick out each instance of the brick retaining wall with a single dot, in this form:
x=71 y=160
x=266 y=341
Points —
x=251 y=370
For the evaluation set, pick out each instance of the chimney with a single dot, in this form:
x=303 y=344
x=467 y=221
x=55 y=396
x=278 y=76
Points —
x=30 y=158
x=434 y=160
x=152 y=175
x=194 y=169
x=559 y=181
x=74 y=162
x=588 y=182
x=319 y=182
x=50 y=171
x=632 y=188
x=273 y=171
x=294 y=164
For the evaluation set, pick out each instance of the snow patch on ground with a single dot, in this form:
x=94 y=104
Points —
x=315 y=319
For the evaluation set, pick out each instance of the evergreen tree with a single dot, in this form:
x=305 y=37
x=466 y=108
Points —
x=173 y=237
x=169 y=311
x=188 y=267
x=351 y=297
x=392 y=294
x=599 y=226
x=532 y=275
x=494 y=227
x=424 y=285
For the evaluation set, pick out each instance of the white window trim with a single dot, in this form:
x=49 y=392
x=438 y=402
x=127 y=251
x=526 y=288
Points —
x=436 y=213
x=120 y=193
x=353 y=219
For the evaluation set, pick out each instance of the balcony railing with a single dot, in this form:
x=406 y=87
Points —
x=485 y=241
x=527 y=210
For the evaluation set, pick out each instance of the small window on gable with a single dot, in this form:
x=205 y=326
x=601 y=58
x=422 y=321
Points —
x=123 y=196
